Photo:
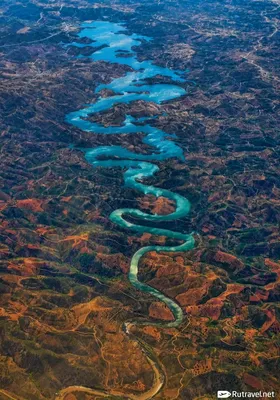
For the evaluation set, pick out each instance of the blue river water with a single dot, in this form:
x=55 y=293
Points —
x=115 y=45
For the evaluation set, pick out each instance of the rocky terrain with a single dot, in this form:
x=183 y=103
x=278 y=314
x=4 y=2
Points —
x=65 y=295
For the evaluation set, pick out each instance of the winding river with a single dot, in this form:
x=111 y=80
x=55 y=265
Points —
x=115 y=45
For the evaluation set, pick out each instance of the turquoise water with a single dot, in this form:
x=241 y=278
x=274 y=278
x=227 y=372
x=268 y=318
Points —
x=133 y=86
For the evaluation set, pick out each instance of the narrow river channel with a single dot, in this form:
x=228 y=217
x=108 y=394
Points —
x=117 y=46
